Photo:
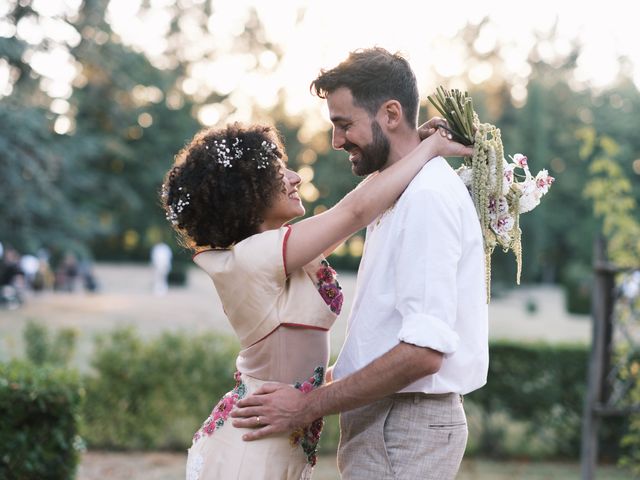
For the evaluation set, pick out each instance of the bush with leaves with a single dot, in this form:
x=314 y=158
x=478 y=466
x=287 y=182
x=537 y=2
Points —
x=154 y=394
x=41 y=348
x=39 y=408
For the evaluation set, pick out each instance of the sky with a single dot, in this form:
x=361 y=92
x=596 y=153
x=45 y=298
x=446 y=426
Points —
x=319 y=34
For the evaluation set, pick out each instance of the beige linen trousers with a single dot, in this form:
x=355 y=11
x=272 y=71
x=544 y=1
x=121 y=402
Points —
x=406 y=436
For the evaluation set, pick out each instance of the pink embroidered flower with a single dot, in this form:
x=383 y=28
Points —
x=307 y=437
x=329 y=287
x=336 y=304
x=306 y=387
x=220 y=412
x=329 y=292
x=316 y=428
x=326 y=274
x=224 y=406
x=210 y=426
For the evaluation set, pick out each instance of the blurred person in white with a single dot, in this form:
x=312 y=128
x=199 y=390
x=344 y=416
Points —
x=417 y=335
x=161 y=257
x=29 y=265
x=231 y=197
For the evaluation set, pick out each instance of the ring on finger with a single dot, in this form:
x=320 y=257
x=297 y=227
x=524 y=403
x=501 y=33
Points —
x=258 y=420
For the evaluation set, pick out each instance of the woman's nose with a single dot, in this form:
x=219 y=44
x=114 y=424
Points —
x=293 y=177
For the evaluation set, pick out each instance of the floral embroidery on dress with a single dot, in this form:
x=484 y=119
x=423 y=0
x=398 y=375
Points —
x=220 y=412
x=194 y=466
x=307 y=437
x=329 y=288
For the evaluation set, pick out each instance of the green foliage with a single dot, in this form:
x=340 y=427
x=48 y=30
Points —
x=612 y=194
x=36 y=199
x=539 y=389
x=41 y=349
x=627 y=355
x=39 y=407
x=631 y=441
x=154 y=394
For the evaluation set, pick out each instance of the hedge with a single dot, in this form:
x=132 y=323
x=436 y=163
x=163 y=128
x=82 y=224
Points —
x=540 y=389
x=39 y=412
x=154 y=394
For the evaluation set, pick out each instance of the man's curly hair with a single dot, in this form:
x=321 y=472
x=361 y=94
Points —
x=221 y=183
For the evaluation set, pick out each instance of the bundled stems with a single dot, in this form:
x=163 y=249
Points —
x=487 y=170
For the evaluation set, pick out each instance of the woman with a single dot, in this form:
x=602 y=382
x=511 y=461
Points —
x=229 y=196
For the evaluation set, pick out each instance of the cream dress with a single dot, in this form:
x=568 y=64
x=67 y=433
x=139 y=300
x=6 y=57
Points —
x=282 y=321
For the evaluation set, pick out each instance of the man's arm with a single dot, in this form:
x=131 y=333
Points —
x=282 y=408
x=425 y=260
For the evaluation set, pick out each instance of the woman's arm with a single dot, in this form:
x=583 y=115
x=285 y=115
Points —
x=424 y=131
x=315 y=235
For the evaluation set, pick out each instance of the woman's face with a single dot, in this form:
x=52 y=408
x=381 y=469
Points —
x=287 y=205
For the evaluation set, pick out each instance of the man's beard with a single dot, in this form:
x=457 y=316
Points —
x=372 y=156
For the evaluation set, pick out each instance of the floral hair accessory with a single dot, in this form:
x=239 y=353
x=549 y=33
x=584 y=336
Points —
x=501 y=190
x=265 y=153
x=176 y=208
x=223 y=154
x=226 y=155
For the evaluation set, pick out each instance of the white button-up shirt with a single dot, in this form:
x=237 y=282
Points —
x=422 y=281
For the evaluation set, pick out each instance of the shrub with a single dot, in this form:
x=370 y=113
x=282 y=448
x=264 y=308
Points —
x=155 y=394
x=40 y=348
x=39 y=408
x=539 y=388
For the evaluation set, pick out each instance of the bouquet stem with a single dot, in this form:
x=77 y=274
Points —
x=487 y=167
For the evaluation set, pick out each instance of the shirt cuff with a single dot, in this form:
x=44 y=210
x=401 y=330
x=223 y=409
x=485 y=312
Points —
x=430 y=332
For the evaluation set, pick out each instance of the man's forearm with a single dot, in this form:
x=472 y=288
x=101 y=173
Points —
x=399 y=367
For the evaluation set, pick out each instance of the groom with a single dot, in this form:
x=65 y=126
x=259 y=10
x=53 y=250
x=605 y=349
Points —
x=417 y=333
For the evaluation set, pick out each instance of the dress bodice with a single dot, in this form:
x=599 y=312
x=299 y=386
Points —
x=282 y=320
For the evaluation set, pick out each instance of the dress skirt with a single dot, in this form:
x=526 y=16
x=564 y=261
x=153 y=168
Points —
x=219 y=453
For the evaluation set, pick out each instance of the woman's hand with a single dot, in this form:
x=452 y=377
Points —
x=445 y=147
x=431 y=126
x=442 y=143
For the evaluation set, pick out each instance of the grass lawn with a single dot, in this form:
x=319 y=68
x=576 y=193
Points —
x=480 y=469
x=97 y=465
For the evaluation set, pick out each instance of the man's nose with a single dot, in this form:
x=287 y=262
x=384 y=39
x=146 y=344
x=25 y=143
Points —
x=337 y=141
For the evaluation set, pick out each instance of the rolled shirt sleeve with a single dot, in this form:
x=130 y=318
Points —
x=427 y=255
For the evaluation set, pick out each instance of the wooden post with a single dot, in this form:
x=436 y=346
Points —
x=599 y=360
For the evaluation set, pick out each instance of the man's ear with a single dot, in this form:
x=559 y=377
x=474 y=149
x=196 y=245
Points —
x=391 y=114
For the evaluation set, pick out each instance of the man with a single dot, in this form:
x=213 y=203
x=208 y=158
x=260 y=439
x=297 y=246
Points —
x=417 y=334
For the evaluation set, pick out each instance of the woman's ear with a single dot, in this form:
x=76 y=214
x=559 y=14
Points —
x=391 y=114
